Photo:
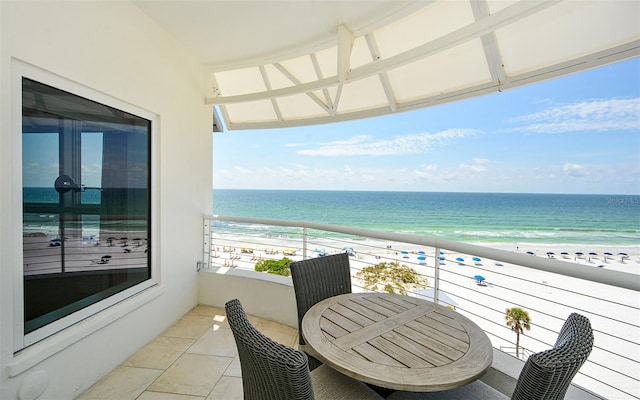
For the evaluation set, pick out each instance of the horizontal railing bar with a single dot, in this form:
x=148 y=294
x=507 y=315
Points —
x=614 y=278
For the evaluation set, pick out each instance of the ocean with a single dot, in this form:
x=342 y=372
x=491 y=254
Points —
x=479 y=218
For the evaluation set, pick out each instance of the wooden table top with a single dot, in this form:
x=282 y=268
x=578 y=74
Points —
x=397 y=342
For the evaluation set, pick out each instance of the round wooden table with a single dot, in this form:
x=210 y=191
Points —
x=397 y=342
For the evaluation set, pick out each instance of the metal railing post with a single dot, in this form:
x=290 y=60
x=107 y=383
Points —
x=304 y=243
x=206 y=244
x=436 y=277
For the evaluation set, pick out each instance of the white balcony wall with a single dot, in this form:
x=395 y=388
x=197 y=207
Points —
x=114 y=48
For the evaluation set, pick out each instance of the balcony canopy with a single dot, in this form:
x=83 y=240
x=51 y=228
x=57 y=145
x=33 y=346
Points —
x=289 y=63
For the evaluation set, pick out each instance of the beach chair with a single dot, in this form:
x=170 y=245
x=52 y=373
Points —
x=545 y=375
x=314 y=280
x=273 y=371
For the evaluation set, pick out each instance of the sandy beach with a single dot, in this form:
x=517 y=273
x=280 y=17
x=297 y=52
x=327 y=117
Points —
x=549 y=298
x=114 y=250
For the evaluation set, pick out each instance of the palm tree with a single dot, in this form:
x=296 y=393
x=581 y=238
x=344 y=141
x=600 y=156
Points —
x=518 y=320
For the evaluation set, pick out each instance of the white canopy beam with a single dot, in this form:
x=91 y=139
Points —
x=486 y=25
x=296 y=81
x=345 y=45
x=490 y=44
x=384 y=78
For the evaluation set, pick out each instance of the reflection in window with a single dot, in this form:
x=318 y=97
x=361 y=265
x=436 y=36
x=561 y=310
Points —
x=86 y=202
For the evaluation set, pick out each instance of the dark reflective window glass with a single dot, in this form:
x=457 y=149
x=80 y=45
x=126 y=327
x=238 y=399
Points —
x=86 y=202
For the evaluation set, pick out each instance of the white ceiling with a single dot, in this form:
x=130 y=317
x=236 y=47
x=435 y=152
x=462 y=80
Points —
x=287 y=63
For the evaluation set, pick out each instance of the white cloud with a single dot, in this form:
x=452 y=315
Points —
x=399 y=145
x=472 y=167
x=477 y=166
x=574 y=170
x=242 y=170
x=587 y=115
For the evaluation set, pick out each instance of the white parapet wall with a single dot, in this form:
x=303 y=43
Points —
x=264 y=295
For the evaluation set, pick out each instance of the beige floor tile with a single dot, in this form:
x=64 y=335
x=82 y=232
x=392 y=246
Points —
x=148 y=395
x=160 y=353
x=217 y=313
x=278 y=332
x=234 y=369
x=190 y=327
x=207 y=311
x=192 y=374
x=123 y=383
x=215 y=342
x=227 y=388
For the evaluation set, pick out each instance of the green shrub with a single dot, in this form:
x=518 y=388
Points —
x=277 y=267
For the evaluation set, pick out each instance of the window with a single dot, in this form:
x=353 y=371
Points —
x=86 y=196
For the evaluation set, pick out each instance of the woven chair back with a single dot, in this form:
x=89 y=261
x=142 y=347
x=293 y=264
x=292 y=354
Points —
x=319 y=278
x=548 y=374
x=270 y=370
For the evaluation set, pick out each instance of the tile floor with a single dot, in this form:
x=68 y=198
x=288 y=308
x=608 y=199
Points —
x=195 y=359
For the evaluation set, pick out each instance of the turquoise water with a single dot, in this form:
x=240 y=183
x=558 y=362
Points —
x=469 y=217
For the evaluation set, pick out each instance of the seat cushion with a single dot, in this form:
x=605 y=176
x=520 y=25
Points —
x=476 y=391
x=329 y=384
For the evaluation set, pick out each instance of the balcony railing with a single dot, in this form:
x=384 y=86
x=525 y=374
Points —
x=547 y=288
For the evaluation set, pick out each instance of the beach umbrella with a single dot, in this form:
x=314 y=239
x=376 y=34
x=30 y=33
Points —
x=531 y=253
x=565 y=254
x=476 y=259
x=441 y=252
x=479 y=279
x=460 y=259
x=550 y=254
x=607 y=254
x=421 y=252
x=422 y=259
x=405 y=254
x=442 y=258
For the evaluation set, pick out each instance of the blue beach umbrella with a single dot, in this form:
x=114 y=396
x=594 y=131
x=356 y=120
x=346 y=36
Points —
x=479 y=279
x=422 y=260
x=460 y=259
x=421 y=252
x=405 y=254
x=477 y=259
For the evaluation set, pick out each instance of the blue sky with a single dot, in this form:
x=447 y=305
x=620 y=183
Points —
x=577 y=134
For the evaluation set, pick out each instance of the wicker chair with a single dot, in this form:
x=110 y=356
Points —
x=273 y=371
x=316 y=279
x=545 y=376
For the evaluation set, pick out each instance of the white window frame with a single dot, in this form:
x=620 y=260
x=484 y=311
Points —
x=134 y=296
